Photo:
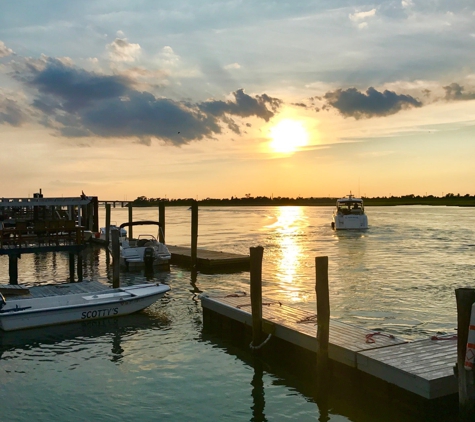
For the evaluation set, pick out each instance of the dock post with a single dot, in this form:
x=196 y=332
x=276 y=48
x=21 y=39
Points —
x=161 y=220
x=130 y=234
x=256 y=255
x=79 y=266
x=71 y=267
x=194 y=234
x=115 y=258
x=323 y=311
x=108 y=222
x=465 y=298
x=13 y=268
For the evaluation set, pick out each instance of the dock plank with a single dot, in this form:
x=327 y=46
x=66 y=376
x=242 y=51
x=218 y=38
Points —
x=423 y=367
x=208 y=260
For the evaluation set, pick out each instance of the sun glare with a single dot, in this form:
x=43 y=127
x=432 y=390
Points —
x=288 y=136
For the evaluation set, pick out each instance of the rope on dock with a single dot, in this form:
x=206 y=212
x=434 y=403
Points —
x=260 y=345
x=311 y=319
x=370 y=339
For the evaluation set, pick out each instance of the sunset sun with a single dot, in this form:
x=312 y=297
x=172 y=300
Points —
x=288 y=136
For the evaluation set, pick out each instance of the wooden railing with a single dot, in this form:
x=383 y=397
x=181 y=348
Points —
x=58 y=232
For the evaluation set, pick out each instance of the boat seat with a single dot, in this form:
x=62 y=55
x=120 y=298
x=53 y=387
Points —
x=125 y=244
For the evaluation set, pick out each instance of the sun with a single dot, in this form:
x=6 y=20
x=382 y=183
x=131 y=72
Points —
x=288 y=136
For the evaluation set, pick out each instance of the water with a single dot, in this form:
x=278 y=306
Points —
x=399 y=276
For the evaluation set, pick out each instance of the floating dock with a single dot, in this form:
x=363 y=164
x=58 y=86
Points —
x=210 y=261
x=424 y=367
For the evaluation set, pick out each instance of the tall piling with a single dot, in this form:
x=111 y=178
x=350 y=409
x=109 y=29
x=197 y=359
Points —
x=323 y=311
x=194 y=234
x=161 y=220
x=256 y=254
x=115 y=258
x=108 y=222
x=465 y=298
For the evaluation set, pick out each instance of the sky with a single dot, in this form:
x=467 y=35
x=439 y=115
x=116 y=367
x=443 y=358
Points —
x=221 y=98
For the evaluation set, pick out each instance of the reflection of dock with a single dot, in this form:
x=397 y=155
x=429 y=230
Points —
x=424 y=368
x=209 y=261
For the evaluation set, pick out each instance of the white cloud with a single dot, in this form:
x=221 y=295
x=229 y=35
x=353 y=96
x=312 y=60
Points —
x=122 y=51
x=362 y=15
x=232 y=66
x=169 y=57
x=4 y=50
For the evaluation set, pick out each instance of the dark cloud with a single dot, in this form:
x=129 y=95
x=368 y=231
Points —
x=454 y=92
x=243 y=106
x=11 y=113
x=73 y=88
x=353 y=103
x=79 y=103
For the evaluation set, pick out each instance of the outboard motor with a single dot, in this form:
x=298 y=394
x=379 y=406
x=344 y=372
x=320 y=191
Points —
x=148 y=258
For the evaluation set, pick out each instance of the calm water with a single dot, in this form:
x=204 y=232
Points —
x=399 y=276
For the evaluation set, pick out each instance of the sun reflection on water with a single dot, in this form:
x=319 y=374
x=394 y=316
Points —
x=287 y=260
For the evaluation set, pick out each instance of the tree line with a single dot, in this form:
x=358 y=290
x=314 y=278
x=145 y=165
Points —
x=449 y=199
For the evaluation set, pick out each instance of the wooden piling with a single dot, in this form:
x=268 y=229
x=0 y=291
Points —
x=131 y=219
x=161 y=220
x=13 y=268
x=323 y=311
x=194 y=234
x=71 y=267
x=79 y=265
x=256 y=254
x=108 y=222
x=115 y=258
x=465 y=298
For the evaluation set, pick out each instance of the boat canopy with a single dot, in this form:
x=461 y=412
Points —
x=140 y=223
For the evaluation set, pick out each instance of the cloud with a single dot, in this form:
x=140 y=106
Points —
x=4 y=50
x=121 y=50
x=11 y=112
x=454 y=92
x=232 y=66
x=78 y=103
x=69 y=88
x=243 y=106
x=362 y=15
x=353 y=103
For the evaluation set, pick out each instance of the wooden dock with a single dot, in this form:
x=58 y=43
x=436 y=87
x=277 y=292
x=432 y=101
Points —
x=210 y=261
x=423 y=367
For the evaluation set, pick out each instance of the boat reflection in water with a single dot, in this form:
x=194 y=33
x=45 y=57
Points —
x=74 y=337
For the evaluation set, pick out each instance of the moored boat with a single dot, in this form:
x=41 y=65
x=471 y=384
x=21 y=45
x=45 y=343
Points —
x=146 y=250
x=21 y=313
x=349 y=214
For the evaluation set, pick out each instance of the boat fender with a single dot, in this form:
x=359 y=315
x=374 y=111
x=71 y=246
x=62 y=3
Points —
x=3 y=302
x=470 y=351
x=333 y=225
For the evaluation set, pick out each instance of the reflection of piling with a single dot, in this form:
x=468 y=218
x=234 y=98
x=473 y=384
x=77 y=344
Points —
x=115 y=258
x=194 y=234
x=323 y=311
x=465 y=298
x=256 y=255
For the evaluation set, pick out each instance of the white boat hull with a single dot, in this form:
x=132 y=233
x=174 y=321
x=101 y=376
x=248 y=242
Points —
x=52 y=310
x=350 y=222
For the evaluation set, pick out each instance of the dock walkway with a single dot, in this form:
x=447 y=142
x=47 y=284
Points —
x=423 y=367
x=210 y=261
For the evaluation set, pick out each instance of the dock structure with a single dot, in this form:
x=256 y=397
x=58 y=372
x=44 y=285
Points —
x=209 y=261
x=424 y=367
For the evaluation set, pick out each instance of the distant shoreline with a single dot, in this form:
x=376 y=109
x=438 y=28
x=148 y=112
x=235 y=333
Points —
x=451 y=201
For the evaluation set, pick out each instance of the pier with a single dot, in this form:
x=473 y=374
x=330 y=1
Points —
x=416 y=374
x=423 y=367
